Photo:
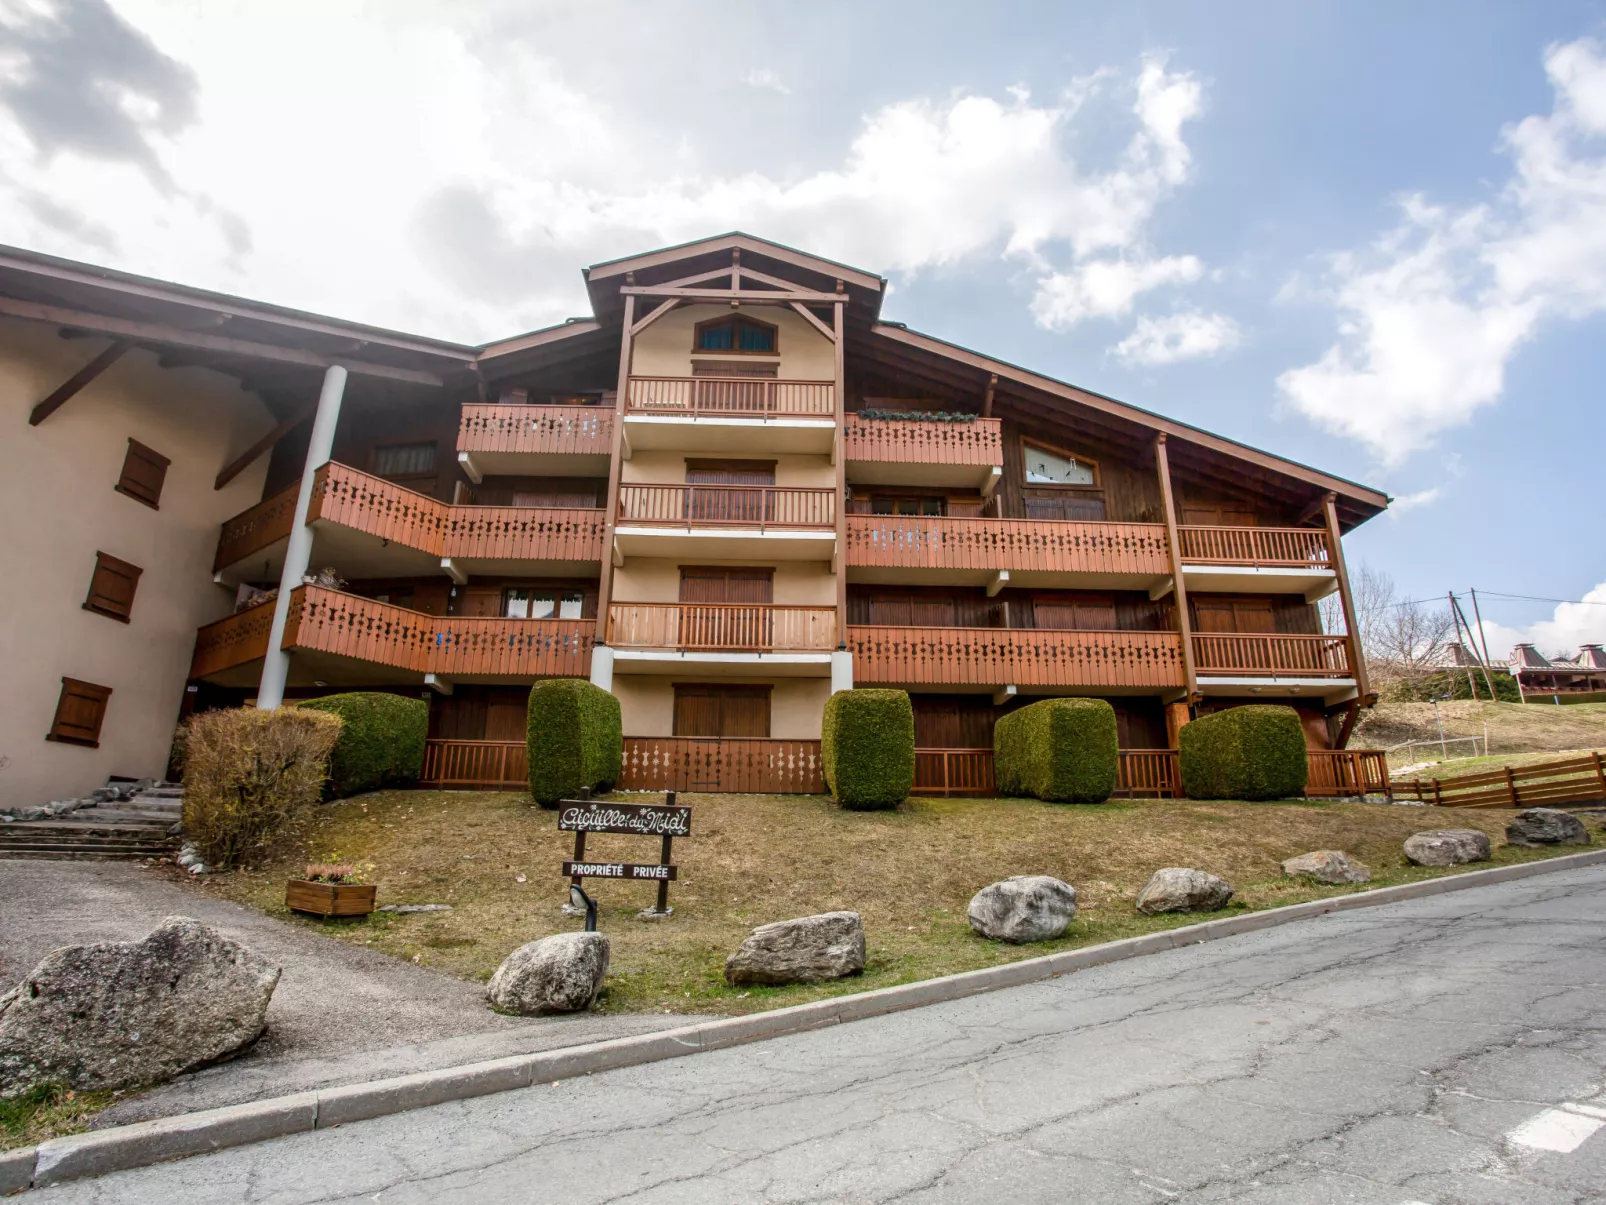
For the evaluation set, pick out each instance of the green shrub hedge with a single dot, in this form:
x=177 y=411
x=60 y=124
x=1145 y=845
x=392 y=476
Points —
x=1251 y=752
x=867 y=748
x=381 y=741
x=1064 y=750
x=575 y=739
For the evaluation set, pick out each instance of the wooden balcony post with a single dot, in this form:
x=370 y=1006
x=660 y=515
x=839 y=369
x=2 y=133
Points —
x=840 y=562
x=1335 y=552
x=610 y=516
x=1179 y=588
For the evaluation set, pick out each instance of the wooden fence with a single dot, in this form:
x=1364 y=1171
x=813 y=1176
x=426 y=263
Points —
x=729 y=627
x=1347 y=772
x=1288 y=547
x=727 y=505
x=1565 y=781
x=575 y=430
x=1279 y=655
x=251 y=531
x=953 y=772
x=742 y=765
x=731 y=397
x=1018 y=545
x=490 y=765
x=920 y=441
x=954 y=656
x=1148 y=773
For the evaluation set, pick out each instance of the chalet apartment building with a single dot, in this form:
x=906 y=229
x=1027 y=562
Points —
x=732 y=490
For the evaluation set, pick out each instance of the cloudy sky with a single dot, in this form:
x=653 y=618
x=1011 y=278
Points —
x=1369 y=236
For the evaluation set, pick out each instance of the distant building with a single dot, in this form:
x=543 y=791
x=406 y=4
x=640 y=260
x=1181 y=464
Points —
x=1560 y=677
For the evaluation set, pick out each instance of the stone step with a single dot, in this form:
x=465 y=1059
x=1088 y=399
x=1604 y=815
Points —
x=26 y=831
x=79 y=853
x=116 y=815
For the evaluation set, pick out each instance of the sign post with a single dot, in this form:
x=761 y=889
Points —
x=667 y=821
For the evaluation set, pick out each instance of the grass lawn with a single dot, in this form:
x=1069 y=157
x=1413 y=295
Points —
x=1458 y=766
x=758 y=858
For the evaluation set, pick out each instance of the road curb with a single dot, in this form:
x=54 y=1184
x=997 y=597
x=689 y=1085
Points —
x=120 y=1148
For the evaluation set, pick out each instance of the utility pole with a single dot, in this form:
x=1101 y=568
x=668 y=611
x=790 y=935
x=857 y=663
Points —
x=1455 y=618
x=1484 y=639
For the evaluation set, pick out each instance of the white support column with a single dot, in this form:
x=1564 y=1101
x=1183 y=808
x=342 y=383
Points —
x=276 y=665
x=602 y=667
x=841 y=670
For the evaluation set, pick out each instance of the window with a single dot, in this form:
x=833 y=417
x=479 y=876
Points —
x=79 y=713
x=744 y=336
x=521 y=602
x=111 y=588
x=717 y=710
x=144 y=471
x=1074 y=506
x=1045 y=466
x=401 y=461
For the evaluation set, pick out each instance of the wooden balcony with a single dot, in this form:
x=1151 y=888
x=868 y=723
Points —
x=922 y=452
x=1035 y=552
x=1272 y=656
x=338 y=631
x=489 y=539
x=716 y=521
x=256 y=530
x=564 y=441
x=1270 y=560
x=722 y=627
x=729 y=414
x=1130 y=662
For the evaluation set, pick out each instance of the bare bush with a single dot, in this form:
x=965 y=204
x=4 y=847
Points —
x=1404 y=640
x=247 y=772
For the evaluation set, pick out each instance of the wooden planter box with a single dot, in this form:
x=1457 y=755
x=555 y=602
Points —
x=329 y=899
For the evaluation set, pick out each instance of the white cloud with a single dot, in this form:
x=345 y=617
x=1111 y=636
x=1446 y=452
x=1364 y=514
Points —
x=1106 y=288
x=1570 y=625
x=1433 y=311
x=1183 y=336
x=763 y=77
x=1425 y=497
x=425 y=173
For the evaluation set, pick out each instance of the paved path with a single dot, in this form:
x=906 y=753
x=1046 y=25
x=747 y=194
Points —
x=1445 y=1050
x=341 y=1014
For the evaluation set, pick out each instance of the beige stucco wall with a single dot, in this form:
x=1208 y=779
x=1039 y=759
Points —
x=664 y=349
x=647 y=704
x=61 y=509
x=669 y=468
x=653 y=579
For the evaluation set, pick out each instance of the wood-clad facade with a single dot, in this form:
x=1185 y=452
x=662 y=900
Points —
x=736 y=488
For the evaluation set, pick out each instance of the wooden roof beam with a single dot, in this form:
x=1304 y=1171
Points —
x=241 y=462
x=59 y=396
x=777 y=297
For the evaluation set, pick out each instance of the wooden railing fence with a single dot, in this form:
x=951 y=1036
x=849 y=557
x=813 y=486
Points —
x=1284 y=547
x=743 y=765
x=493 y=765
x=918 y=441
x=575 y=430
x=253 y=530
x=1018 y=545
x=523 y=533
x=1347 y=772
x=1151 y=773
x=1565 y=781
x=953 y=772
x=731 y=397
x=943 y=656
x=722 y=626
x=727 y=505
x=233 y=640
x=1281 y=655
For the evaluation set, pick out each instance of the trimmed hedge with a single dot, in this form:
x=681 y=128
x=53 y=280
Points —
x=1063 y=750
x=867 y=748
x=575 y=739
x=1252 y=752
x=381 y=741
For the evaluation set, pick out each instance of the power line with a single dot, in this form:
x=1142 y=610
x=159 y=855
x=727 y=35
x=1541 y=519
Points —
x=1582 y=602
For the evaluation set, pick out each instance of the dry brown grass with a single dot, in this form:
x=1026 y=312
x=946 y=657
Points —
x=1513 y=727
x=758 y=858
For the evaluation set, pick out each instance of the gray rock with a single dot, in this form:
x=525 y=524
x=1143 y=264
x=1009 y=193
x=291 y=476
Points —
x=810 y=949
x=558 y=974
x=1546 y=826
x=1447 y=847
x=1330 y=866
x=1181 y=889
x=126 y=1014
x=405 y=908
x=1026 y=907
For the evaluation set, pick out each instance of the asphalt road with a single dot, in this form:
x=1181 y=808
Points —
x=1448 y=1050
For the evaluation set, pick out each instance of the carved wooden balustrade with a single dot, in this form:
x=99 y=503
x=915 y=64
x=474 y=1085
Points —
x=1020 y=545
x=757 y=506
x=729 y=627
x=920 y=441
x=743 y=765
x=998 y=656
x=730 y=397
x=378 y=507
x=1271 y=655
x=250 y=531
x=523 y=533
x=574 y=430
x=1282 y=547
x=233 y=640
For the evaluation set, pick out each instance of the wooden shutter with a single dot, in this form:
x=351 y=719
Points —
x=1213 y=615
x=79 y=713
x=1215 y=514
x=144 y=472
x=730 y=472
x=111 y=588
x=1253 y=615
x=718 y=710
x=727 y=584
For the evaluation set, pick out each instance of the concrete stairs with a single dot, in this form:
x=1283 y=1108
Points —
x=122 y=829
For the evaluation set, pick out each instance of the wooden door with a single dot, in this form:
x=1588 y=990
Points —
x=712 y=710
x=480 y=602
x=727 y=504
x=1092 y=613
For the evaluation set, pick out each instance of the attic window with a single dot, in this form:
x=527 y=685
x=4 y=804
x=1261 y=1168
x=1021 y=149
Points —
x=743 y=336
x=1047 y=466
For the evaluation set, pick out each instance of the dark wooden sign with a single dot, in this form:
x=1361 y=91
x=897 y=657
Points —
x=666 y=820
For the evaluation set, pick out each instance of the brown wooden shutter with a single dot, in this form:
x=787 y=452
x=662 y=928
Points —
x=79 y=713
x=144 y=472
x=717 y=710
x=726 y=584
x=111 y=588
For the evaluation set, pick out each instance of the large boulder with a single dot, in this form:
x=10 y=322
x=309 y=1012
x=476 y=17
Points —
x=1182 y=889
x=1025 y=907
x=1447 y=847
x=810 y=949
x=558 y=974
x=1546 y=826
x=1329 y=866
x=125 y=1014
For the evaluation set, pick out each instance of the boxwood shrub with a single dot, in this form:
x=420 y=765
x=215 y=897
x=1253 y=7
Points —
x=381 y=741
x=1064 y=750
x=867 y=748
x=575 y=739
x=1252 y=752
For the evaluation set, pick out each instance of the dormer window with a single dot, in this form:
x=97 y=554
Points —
x=743 y=336
x=1045 y=466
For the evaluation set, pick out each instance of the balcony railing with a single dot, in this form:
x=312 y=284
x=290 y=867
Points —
x=1280 y=547
x=730 y=397
x=757 y=506
x=1021 y=545
x=998 y=656
x=521 y=533
x=347 y=625
x=953 y=772
x=250 y=531
x=919 y=441
x=722 y=627
x=575 y=430
x=490 y=765
x=378 y=507
x=1148 y=773
x=1281 y=656
x=1347 y=772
